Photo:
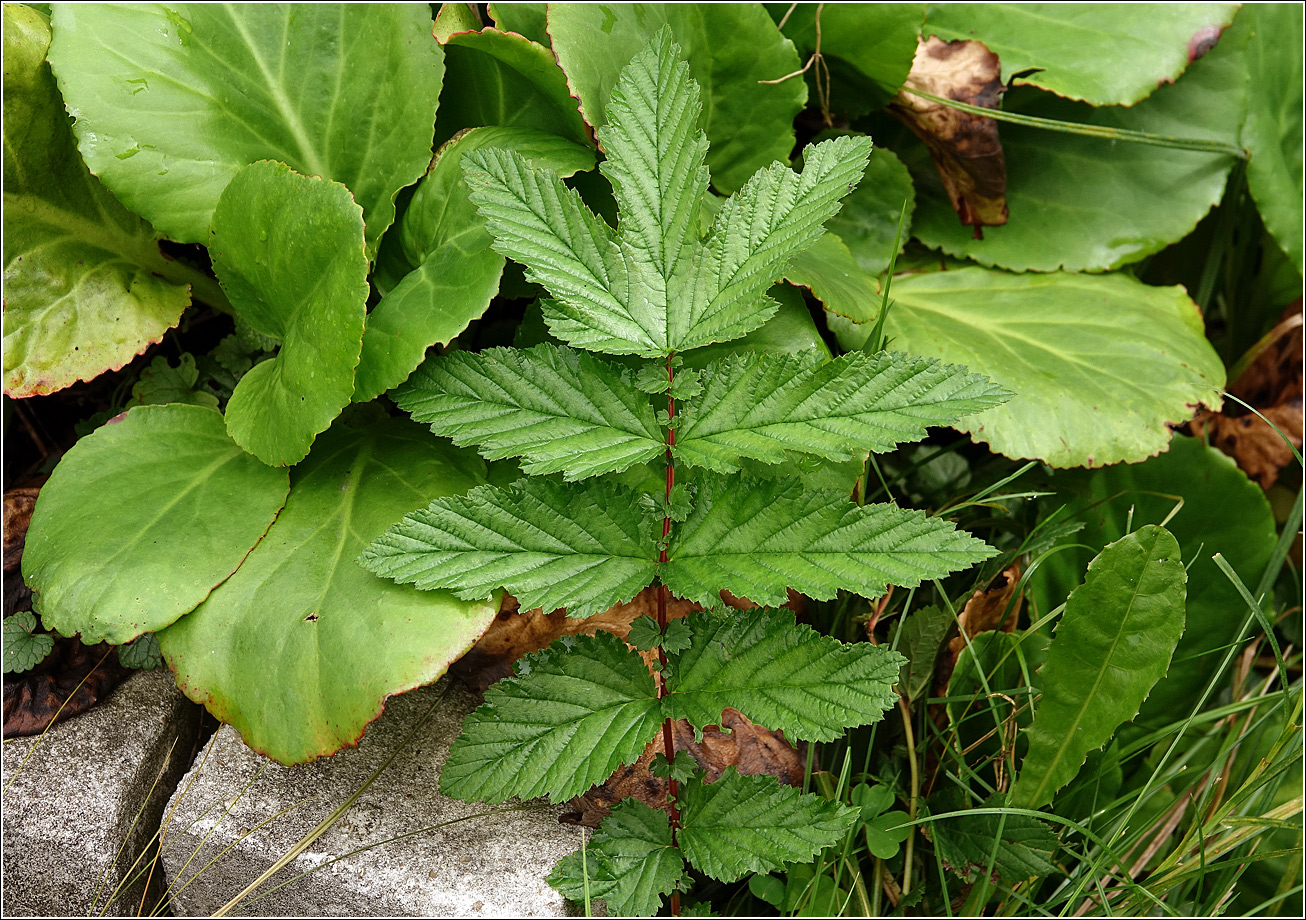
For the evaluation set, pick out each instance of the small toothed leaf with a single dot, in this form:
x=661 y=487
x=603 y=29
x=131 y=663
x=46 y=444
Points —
x=630 y=862
x=644 y=634
x=741 y=824
x=760 y=406
x=779 y=674
x=24 y=647
x=577 y=711
x=755 y=538
x=584 y=547
x=560 y=410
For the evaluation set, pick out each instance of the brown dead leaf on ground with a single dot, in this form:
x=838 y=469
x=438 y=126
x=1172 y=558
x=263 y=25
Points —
x=998 y=608
x=1272 y=383
x=746 y=746
x=17 y=515
x=965 y=147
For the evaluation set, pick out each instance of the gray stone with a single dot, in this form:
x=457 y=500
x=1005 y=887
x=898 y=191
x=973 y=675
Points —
x=83 y=809
x=493 y=866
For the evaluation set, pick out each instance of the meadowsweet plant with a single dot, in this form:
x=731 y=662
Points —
x=629 y=303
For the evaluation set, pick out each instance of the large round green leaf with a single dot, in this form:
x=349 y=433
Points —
x=729 y=47
x=456 y=272
x=1100 y=364
x=501 y=78
x=1087 y=204
x=289 y=250
x=1103 y=53
x=300 y=648
x=172 y=99
x=142 y=519
x=1273 y=131
x=83 y=292
x=1220 y=510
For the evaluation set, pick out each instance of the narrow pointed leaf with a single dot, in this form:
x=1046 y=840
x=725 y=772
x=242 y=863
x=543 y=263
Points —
x=781 y=675
x=584 y=547
x=629 y=862
x=561 y=410
x=289 y=251
x=574 y=713
x=755 y=538
x=761 y=406
x=776 y=215
x=544 y=225
x=1113 y=643
x=176 y=507
x=655 y=158
x=741 y=824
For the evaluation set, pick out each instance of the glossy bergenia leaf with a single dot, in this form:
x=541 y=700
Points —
x=574 y=713
x=650 y=288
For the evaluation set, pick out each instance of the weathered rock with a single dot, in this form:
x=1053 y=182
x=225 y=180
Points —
x=491 y=866
x=82 y=811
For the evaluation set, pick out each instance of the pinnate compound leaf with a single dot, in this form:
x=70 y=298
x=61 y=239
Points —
x=1106 y=54
x=629 y=862
x=1099 y=363
x=730 y=47
x=741 y=824
x=574 y=713
x=451 y=270
x=775 y=216
x=177 y=506
x=337 y=639
x=24 y=647
x=172 y=100
x=1272 y=132
x=582 y=547
x=289 y=251
x=755 y=538
x=559 y=409
x=779 y=674
x=762 y=406
x=1114 y=642
x=82 y=286
x=965 y=844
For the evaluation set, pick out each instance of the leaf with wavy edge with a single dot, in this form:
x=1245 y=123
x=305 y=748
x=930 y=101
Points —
x=742 y=824
x=787 y=677
x=561 y=410
x=574 y=713
x=584 y=547
x=756 y=538
x=1112 y=645
x=760 y=406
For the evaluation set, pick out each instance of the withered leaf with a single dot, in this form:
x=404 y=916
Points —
x=965 y=147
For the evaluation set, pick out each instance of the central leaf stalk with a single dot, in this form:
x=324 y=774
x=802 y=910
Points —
x=668 y=740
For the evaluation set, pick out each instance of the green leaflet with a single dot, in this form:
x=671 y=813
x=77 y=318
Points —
x=584 y=547
x=629 y=862
x=84 y=281
x=651 y=289
x=299 y=649
x=574 y=713
x=104 y=568
x=787 y=677
x=755 y=538
x=741 y=824
x=449 y=272
x=1106 y=54
x=1020 y=847
x=173 y=99
x=762 y=406
x=289 y=251
x=561 y=410
x=1112 y=645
